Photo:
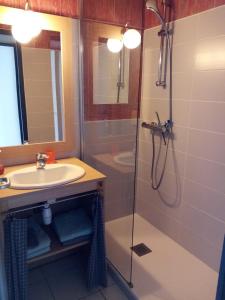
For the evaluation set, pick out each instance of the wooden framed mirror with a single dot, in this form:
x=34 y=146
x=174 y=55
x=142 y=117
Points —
x=62 y=141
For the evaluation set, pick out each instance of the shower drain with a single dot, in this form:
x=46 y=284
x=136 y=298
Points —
x=141 y=249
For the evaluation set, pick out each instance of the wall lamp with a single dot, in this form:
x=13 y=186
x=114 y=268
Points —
x=131 y=39
x=26 y=25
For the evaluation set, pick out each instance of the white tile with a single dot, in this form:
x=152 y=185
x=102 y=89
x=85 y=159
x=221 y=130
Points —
x=206 y=172
x=182 y=84
x=209 y=54
x=185 y=30
x=211 y=22
x=207 y=116
x=149 y=200
x=150 y=61
x=183 y=57
x=201 y=248
x=151 y=39
x=203 y=225
x=209 y=85
x=180 y=112
x=204 y=199
x=171 y=185
x=149 y=109
x=207 y=145
x=149 y=88
x=174 y=163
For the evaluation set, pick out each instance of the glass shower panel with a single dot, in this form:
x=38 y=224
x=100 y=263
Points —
x=111 y=90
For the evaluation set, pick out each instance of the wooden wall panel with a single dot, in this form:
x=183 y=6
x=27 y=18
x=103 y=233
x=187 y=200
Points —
x=181 y=9
x=67 y=8
x=118 y=12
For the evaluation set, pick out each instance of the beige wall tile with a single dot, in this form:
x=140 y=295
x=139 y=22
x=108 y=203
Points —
x=207 y=145
x=209 y=54
x=205 y=199
x=206 y=172
x=211 y=23
x=207 y=116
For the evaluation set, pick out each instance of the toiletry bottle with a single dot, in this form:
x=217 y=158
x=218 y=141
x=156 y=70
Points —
x=47 y=214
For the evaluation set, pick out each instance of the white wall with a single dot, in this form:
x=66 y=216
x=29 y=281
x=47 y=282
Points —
x=194 y=181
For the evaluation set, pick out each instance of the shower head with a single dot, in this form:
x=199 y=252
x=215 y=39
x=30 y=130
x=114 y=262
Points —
x=152 y=5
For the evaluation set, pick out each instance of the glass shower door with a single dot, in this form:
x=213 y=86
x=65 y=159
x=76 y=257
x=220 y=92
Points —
x=111 y=89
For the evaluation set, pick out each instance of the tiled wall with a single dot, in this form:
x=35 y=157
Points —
x=104 y=140
x=190 y=204
x=181 y=9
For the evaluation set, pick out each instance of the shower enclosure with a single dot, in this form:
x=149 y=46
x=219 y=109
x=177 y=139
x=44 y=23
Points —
x=110 y=93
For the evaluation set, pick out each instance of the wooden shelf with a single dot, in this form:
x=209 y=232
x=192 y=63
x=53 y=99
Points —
x=56 y=248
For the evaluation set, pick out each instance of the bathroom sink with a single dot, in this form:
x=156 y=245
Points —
x=125 y=158
x=52 y=175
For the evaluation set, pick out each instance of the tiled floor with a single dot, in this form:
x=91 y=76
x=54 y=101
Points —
x=169 y=272
x=64 y=279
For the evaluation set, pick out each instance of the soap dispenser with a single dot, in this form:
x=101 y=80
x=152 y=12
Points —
x=47 y=214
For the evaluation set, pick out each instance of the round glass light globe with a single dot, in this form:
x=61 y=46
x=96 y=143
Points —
x=132 y=38
x=26 y=26
x=114 y=45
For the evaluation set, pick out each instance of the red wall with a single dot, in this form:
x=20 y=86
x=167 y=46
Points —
x=67 y=8
x=183 y=8
x=114 y=11
x=118 y=12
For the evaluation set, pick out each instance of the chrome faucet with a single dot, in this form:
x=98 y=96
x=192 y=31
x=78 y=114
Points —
x=41 y=159
x=164 y=128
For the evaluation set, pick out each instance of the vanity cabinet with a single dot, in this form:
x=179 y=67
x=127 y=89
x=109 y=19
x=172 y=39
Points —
x=16 y=201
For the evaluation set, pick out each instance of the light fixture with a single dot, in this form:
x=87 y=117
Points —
x=114 y=45
x=26 y=25
x=132 y=38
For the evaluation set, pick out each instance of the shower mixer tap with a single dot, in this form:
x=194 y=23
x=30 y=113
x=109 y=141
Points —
x=163 y=128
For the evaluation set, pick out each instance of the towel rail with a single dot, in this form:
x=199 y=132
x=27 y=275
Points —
x=13 y=212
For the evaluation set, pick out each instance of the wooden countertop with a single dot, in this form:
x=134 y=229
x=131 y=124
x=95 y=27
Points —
x=91 y=177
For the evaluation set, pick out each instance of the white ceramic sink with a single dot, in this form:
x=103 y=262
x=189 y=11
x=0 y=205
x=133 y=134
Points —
x=125 y=159
x=52 y=175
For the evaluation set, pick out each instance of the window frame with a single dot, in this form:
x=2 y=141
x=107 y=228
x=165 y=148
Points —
x=21 y=102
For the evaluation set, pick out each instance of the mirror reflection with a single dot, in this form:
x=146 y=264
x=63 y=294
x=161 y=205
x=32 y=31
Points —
x=30 y=89
x=110 y=74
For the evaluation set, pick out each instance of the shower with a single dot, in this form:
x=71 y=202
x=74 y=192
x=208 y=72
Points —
x=152 y=5
x=164 y=129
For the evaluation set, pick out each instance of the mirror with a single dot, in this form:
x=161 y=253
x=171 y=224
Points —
x=69 y=144
x=30 y=89
x=110 y=92
x=110 y=74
